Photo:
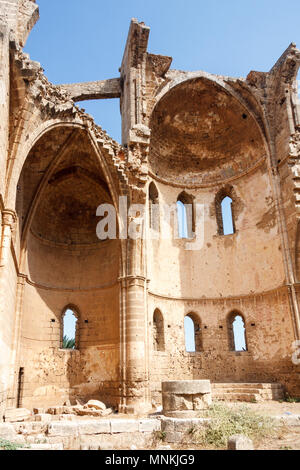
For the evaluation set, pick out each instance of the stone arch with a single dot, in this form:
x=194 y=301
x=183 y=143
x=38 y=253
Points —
x=187 y=200
x=234 y=336
x=197 y=331
x=182 y=140
x=76 y=313
x=226 y=191
x=158 y=331
x=188 y=76
x=30 y=140
x=61 y=184
x=154 y=222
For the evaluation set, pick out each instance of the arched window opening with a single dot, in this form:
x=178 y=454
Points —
x=193 y=333
x=225 y=211
x=69 y=329
x=158 y=331
x=227 y=219
x=185 y=216
x=237 y=332
x=153 y=207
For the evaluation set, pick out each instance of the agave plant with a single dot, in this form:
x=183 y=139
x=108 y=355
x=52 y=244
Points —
x=68 y=343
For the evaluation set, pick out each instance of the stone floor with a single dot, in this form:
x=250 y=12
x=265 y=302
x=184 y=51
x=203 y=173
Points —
x=47 y=431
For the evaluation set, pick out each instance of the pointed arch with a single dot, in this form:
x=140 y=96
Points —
x=186 y=215
x=193 y=333
x=69 y=328
x=224 y=204
x=158 y=331
x=154 y=222
x=236 y=326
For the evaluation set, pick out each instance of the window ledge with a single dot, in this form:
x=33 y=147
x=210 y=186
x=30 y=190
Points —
x=230 y=235
x=69 y=350
x=193 y=353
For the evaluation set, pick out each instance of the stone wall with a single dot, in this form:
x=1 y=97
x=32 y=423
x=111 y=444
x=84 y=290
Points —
x=197 y=137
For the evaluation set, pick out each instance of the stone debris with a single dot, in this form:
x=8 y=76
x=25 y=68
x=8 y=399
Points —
x=15 y=415
x=98 y=405
x=89 y=412
x=240 y=442
x=93 y=408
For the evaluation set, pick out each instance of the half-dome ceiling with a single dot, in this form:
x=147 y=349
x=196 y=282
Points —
x=201 y=134
x=60 y=189
x=67 y=212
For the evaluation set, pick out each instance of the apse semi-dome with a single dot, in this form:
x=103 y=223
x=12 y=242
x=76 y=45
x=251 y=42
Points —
x=201 y=134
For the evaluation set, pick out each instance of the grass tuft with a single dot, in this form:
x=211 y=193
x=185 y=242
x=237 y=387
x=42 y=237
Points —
x=8 y=445
x=227 y=421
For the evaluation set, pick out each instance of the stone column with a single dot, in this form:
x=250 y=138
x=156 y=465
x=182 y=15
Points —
x=16 y=345
x=134 y=341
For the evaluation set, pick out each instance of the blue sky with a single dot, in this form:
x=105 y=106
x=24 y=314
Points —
x=83 y=40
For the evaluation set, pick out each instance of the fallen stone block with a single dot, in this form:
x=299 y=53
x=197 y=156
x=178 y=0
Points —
x=240 y=442
x=15 y=415
x=97 y=405
x=89 y=412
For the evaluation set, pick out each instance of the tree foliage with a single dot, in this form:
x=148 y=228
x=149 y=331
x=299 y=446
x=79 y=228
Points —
x=68 y=343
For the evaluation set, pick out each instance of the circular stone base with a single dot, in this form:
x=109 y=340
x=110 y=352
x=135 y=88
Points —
x=187 y=387
x=185 y=398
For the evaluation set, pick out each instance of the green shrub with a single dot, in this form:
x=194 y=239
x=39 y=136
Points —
x=227 y=421
x=68 y=343
x=7 y=445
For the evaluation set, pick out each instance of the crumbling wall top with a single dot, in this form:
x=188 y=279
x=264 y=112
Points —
x=20 y=16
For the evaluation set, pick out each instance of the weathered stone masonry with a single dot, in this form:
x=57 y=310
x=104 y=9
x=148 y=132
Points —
x=185 y=133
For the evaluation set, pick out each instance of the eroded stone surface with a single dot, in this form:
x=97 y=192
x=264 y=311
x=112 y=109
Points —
x=184 y=397
x=240 y=442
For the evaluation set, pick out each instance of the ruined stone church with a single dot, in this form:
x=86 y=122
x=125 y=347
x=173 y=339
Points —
x=188 y=137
